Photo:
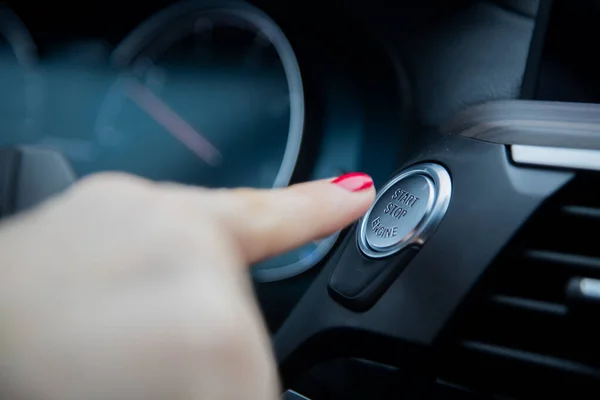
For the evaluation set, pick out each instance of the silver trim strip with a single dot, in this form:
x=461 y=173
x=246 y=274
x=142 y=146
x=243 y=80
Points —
x=556 y=157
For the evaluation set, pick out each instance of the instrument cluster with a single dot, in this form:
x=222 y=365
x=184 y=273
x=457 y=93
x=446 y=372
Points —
x=202 y=92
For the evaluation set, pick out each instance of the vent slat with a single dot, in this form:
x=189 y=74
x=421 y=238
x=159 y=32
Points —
x=571 y=260
x=524 y=333
x=503 y=373
x=539 y=360
x=530 y=305
x=581 y=211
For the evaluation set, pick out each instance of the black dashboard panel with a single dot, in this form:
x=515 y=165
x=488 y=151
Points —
x=528 y=315
x=567 y=68
x=420 y=302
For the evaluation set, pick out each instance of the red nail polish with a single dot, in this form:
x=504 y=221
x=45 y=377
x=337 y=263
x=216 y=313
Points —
x=354 y=181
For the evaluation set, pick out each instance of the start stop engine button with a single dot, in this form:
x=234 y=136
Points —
x=398 y=212
x=406 y=211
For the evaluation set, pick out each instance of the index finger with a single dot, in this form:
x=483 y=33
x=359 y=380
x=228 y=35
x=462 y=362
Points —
x=269 y=222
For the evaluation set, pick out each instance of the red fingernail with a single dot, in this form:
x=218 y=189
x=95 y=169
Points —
x=354 y=181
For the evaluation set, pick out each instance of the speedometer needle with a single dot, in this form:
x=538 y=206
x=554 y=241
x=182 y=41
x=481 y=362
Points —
x=172 y=122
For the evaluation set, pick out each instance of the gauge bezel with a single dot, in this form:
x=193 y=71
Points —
x=296 y=268
x=133 y=45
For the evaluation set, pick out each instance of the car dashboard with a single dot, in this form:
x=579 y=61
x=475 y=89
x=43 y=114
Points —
x=484 y=111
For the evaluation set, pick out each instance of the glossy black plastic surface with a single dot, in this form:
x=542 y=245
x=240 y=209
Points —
x=358 y=281
x=491 y=199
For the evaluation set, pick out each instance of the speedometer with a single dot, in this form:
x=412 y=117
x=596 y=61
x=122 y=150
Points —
x=209 y=93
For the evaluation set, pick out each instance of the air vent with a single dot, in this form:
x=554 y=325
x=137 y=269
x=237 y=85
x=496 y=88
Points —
x=528 y=331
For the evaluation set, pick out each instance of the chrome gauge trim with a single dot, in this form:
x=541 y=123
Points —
x=557 y=157
x=18 y=37
x=127 y=51
x=436 y=210
x=265 y=275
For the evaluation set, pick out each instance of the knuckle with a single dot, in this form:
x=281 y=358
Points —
x=251 y=200
x=179 y=224
x=120 y=190
x=111 y=180
x=179 y=212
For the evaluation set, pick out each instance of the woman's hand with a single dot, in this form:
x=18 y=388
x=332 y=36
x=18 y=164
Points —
x=122 y=288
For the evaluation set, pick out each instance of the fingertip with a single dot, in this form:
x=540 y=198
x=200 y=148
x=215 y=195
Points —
x=361 y=186
x=354 y=181
x=268 y=222
x=341 y=199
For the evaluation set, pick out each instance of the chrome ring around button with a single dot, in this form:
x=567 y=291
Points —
x=418 y=200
